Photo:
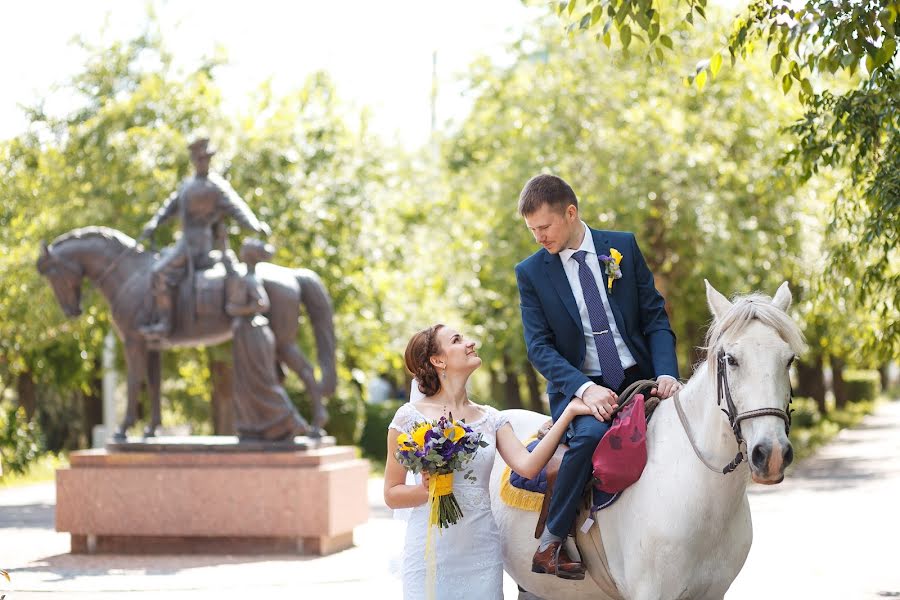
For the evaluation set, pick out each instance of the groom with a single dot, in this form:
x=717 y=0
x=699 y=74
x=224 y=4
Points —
x=594 y=323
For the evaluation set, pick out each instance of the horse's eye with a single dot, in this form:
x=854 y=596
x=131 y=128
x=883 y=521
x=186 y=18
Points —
x=731 y=360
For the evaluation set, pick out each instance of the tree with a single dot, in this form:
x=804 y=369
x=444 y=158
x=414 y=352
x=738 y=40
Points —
x=843 y=59
x=690 y=174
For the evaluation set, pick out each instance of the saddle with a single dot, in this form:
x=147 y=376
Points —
x=208 y=291
x=552 y=468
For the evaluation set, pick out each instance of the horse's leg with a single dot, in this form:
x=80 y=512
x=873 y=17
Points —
x=154 y=373
x=136 y=361
x=293 y=357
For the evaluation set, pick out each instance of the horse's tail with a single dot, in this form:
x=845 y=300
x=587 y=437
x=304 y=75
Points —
x=318 y=306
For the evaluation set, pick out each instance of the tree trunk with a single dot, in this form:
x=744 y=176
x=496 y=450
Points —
x=26 y=393
x=511 y=391
x=535 y=399
x=811 y=382
x=837 y=382
x=496 y=385
x=885 y=372
x=92 y=403
x=222 y=399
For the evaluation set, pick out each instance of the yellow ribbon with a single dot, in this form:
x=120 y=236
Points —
x=438 y=485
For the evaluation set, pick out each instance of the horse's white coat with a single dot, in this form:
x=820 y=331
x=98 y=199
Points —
x=682 y=531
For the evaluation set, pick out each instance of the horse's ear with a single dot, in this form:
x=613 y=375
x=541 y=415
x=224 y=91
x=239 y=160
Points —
x=718 y=304
x=783 y=297
x=44 y=250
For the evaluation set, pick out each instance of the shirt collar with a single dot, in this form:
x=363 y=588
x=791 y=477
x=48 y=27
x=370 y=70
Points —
x=587 y=244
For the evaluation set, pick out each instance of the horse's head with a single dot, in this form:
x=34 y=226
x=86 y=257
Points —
x=751 y=346
x=65 y=277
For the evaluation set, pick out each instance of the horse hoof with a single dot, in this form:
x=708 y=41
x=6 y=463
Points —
x=119 y=436
x=149 y=432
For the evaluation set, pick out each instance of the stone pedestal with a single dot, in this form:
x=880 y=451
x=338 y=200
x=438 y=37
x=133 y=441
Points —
x=218 y=502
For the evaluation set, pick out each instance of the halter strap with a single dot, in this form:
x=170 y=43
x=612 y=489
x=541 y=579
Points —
x=113 y=265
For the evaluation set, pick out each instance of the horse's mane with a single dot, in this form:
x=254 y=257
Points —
x=107 y=233
x=746 y=309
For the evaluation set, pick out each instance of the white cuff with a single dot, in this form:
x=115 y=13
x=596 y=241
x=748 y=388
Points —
x=669 y=376
x=580 y=393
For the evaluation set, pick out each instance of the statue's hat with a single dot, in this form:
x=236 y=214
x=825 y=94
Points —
x=200 y=147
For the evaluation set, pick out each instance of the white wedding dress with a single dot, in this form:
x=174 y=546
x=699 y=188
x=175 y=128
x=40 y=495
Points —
x=469 y=560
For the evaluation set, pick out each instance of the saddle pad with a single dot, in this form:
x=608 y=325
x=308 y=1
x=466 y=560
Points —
x=521 y=492
x=528 y=494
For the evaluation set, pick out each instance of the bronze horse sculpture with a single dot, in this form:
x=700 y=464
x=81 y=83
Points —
x=120 y=268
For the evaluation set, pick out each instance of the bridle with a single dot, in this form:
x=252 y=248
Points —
x=112 y=265
x=723 y=395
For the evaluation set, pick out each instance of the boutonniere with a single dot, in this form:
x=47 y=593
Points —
x=613 y=271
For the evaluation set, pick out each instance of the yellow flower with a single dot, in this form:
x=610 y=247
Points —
x=454 y=433
x=403 y=440
x=617 y=256
x=418 y=434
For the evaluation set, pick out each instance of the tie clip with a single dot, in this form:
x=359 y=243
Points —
x=600 y=332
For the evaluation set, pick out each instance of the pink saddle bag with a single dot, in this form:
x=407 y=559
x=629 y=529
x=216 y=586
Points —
x=621 y=455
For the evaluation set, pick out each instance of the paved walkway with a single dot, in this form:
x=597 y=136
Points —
x=830 y=531
x=832 y=528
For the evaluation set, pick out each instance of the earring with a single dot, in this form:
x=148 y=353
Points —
x=444 y=374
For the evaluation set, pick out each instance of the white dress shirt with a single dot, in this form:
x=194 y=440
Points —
x=591 y=366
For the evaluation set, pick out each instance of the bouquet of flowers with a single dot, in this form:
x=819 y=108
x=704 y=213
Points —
x=439 y=448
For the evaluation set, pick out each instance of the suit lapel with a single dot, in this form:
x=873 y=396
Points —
x=557 y=275
x=602 y=246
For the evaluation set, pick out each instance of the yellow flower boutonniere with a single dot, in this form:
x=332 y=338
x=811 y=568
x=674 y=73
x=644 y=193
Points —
x=613 y=271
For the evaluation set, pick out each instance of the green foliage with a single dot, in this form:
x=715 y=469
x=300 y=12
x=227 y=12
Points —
x=843 y=58
x=346 y=417
x=690 y=174
x=805 y=413
x=862 y=385
x=41 y=470
x=378 y=417
x=21 y=440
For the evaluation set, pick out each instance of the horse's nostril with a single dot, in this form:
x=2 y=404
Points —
x=760 y=456
x=789 y=455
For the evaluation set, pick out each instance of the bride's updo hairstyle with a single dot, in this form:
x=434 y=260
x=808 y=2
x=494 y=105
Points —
x=422 y=346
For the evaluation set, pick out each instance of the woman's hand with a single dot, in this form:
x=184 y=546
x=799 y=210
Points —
x=423 y=487
x=577 y=407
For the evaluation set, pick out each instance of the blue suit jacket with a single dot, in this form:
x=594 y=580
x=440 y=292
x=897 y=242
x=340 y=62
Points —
x=552 y=325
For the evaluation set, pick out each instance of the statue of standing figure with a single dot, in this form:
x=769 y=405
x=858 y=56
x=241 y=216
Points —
x=203 y=202
x=262 y=407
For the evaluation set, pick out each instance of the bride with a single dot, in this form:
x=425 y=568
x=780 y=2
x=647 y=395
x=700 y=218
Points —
x=469 y=561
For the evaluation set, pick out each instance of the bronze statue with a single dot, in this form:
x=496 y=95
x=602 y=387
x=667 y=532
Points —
x=261 y=405
x=193 y=274
x=202 y=203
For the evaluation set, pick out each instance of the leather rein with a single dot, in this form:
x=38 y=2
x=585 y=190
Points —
x=723 y=395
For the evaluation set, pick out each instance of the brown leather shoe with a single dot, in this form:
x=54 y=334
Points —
x=555 y=561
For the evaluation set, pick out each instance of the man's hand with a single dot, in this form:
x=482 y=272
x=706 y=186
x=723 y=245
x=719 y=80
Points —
x=602 y=401
x=666 y=386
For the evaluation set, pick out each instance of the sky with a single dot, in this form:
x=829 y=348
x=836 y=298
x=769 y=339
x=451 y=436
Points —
x=379 y=52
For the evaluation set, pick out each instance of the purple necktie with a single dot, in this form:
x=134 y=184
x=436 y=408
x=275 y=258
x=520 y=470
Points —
x=611 y=367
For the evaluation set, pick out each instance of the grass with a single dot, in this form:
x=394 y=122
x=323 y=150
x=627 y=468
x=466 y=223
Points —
x=40 y=471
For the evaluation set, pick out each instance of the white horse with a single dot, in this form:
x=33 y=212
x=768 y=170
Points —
x=683 y=531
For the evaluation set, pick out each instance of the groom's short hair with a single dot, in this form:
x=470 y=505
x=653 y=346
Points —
x=546 y=189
